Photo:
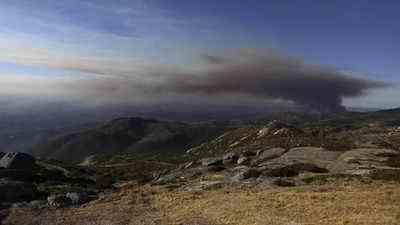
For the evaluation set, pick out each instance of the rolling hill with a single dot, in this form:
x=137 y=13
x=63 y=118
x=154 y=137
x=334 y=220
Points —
x=128 y=135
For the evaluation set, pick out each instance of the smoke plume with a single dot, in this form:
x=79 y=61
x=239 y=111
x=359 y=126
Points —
x=270 y=76
x=245 y=78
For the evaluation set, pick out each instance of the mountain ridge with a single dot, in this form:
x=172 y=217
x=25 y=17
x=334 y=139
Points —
x=127 y=134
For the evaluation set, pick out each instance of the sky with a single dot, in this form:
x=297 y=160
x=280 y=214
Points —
x=127 y=50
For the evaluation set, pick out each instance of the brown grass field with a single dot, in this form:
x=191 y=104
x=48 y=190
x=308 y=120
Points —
x=333 y=204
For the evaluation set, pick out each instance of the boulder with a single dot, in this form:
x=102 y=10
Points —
x=270 y=154
x=240 y=168
x=311 y=155
x=230 y=158
x=17 y=160
x=178 y=176
x=58 y=201
x=299 y=160
x=211 y=162
x=259 y=152
x=263 y=132
x=77 y=198
x=386 y=174
x=282 y=132
x=188 y=165
x=273 y=127
x=38 y=204
x=243 y=160
x=68 y=199
x=249 y=153
x=365 y=160
x=245 y=173
x=15 y=191
x=168 y=179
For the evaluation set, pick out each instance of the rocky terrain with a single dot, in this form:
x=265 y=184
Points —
x=278 y=154
x=26 y=181
x=340 y=170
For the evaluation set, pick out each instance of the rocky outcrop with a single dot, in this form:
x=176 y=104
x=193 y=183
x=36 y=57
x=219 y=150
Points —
x=299 y=160
x=68 y=199
x=58 y=201
x=296 y=166
x=245 y=173
x=243 y=160
x=312 y=155
x=367 y=160
x=277 y=128
x=77 y=198
x=182 y=175
x=230 y=158
x=270 y=154
x=168 y=179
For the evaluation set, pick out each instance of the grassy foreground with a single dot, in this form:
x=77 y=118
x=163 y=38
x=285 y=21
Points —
x=342 y=204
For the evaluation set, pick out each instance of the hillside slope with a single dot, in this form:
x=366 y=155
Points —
x=128 y=135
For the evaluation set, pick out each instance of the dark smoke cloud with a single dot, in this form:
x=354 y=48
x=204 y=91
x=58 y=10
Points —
x=269 y=76
x=245 y=78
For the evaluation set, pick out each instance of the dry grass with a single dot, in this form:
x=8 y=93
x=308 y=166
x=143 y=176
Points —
x=359 y=204
x=353 y=204
x=132 y=205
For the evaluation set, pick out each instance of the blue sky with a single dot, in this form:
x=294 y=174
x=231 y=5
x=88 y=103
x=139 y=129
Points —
x=72 y=38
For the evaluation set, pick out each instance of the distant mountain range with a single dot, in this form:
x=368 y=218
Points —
x=26 y=126
x=147 y=135
x=129 y=135
x=64 y=132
